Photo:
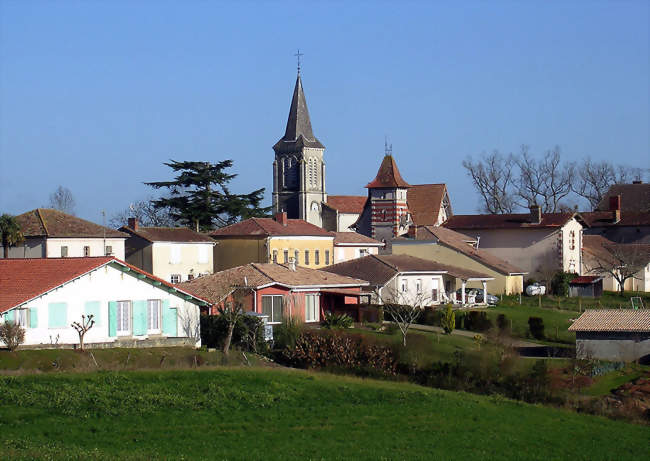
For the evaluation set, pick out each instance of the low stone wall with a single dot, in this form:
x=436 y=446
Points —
x=126 y=343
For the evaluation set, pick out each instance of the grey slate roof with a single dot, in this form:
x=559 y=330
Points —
x=298 y=132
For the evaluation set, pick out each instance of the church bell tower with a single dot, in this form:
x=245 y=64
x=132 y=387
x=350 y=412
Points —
x=298 y=168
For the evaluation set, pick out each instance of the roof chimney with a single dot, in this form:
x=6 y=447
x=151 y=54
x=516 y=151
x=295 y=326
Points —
x=133 y=223
x=535 y=214
x=615 y=207
x=281 y=218
x=412 y=232
x=637 y=181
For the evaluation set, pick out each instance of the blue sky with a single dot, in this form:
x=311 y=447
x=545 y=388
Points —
x=96 y=95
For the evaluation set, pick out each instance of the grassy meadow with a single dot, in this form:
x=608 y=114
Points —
x=249 y=413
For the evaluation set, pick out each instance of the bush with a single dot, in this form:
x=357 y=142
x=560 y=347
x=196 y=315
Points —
x=248 y=333
x=560 y=283
x=286 y=334
x=502 y=323
x=477 y=321
x=448 y=320
x=337 y=321
x=336 y=350
x=12 y=334
x=430 y=316
x=536 y=327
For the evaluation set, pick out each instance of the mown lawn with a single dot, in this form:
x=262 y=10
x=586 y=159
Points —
x=279 y=414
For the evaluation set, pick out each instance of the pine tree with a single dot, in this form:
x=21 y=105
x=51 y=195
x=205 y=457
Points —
x=199 y=196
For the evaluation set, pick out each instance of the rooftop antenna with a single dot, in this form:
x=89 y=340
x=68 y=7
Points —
x=298 y=54
x=388 y=148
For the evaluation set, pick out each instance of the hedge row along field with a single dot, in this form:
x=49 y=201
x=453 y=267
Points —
x=280 y=414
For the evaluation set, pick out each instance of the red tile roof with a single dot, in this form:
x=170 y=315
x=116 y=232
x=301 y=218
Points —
x=21 y=280
x=45 y=222
x=507 y=221
x=424 y=203
x=606 y=218
x=269 y=227
x=169 y=234
x=627 y=320
x=585 y=280
x=355 y=238
x=347 y=203
x=388 y=175
x=634 y=197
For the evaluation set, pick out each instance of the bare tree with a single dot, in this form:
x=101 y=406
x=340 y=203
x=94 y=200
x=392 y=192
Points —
x=232 y=309
x=621 y=261
x=61 y=199
x=593 y=179
x=83 y=327
x=494 y=180
x=402 y=307
x=545 y=182
x=146 y=214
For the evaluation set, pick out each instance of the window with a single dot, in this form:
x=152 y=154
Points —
x=572 y=240
x=327 y=257
x=405 y=285
x=175 y=278
x=275 y=256
x=363 y=252
x=317 y=257
x=418 y=286
x=174 y=254
x=297 y=255
x=64 y=251
x=286 y=256
x=204 y=256
x=190 y=277
x=153 y=315
x=109 y=250
x=123 y=318
x=306 y=257
x=434 y=290
x=86 y=251
x=22 y=317
x=57 y=315
x=311 y=308
x=272 y=306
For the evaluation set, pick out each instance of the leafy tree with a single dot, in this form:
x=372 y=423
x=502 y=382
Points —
x=62 y=199
x=12 y=334
x=10 y=233
x=199 y=196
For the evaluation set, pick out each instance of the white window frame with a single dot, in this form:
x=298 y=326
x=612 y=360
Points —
x=64 y=251
x=124 y=319
x=274 y=299
x=175 y=276
x=22 y=317
x=86 y=251
x=312 y=313
x=405 y=285
x=418 y=286
x=108 y=250
x=153 y=315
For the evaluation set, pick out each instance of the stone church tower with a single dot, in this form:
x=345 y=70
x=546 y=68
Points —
x=298 y=168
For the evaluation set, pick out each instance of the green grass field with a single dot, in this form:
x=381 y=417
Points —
x=279 y=414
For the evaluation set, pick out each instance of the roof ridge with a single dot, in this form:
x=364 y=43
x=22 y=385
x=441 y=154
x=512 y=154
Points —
x=386 y=263
x=40 y=217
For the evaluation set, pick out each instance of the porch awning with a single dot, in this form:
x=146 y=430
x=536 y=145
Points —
x=356 y=294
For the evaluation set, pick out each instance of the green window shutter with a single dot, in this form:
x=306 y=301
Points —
x=94 y=308
x=11 y=316
x=139 y=318
x=170 y=323
x=33 y=317
x=57 y=315
x=112 y=318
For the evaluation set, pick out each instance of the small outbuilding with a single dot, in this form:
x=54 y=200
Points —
x=586 y=286
x=621 y=335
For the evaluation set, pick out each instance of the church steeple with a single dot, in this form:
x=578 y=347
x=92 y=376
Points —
x=298 y=132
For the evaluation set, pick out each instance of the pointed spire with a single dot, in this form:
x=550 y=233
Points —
x=388 y=175
x=298 y=123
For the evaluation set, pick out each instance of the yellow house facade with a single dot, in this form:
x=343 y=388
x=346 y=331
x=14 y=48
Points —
x=268 y=240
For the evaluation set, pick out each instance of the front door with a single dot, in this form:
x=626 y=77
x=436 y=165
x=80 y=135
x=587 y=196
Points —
x=123 y=318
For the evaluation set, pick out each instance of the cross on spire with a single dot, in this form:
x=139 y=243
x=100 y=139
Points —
x=298 y=54
x=388 y=148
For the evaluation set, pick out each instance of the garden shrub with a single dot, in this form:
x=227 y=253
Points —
x=12 y=334
x=286 y=334
x=336 y=321
x=536 y=327
x=477 y=321
x=448 y=321
x=430 y=316
x=560 y=283
x=248 y=333
x=339 y=350
x=502 y=323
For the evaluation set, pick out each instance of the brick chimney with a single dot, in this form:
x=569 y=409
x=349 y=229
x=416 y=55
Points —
x=535 y=214
x=281 y=217
x=133 y=223
x=615 y=207
x=413 y=230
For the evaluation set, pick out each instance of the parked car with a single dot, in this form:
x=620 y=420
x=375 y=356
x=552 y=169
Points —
x=491 y=299
x=535 y=289
x=476 y=295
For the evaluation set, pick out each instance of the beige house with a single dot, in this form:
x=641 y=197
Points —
x=54 y=234
x=351 y=245
x=175 y=254
x=538 y=243
x=600 y=252
x=273 y=240
x=446 y=246
x=342 y=211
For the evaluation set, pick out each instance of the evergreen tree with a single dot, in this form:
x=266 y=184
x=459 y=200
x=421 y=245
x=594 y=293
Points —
x=199 y=196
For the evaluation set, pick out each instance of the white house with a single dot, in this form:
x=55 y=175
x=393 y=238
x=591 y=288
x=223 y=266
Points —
x=54 y=234
x=131 y=308
x=351 y=245
x=406 y=279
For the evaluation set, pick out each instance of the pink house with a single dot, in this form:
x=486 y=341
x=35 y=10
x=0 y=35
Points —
x=279 y=290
